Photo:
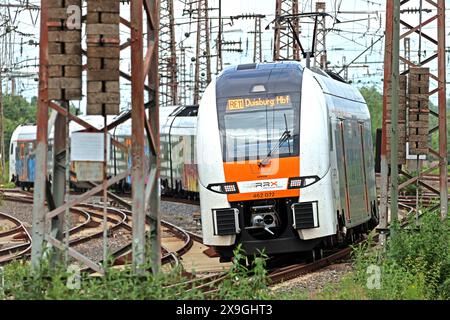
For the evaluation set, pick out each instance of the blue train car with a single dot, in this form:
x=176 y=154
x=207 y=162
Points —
x=22 y=161
x=178 y=162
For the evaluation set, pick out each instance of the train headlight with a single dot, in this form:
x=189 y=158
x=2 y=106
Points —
x=295 y=183
x=225 y=188
x=230 y=188
x=302 y=182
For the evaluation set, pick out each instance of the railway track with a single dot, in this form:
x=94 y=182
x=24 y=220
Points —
x=177 y=243
x=16 y=195
x=208 y=285
x=423 y=201
x=181 y=200
x=94 y=228
x=432 y=177
x=15 y=241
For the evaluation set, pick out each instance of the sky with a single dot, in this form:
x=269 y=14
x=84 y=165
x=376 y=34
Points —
x=362 y=24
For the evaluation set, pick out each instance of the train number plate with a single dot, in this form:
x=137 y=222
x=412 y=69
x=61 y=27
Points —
x=263 y=195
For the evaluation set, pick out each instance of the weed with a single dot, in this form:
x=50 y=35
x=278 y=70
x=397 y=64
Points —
x=245 y=282
x=415 y=264
x=50 y=282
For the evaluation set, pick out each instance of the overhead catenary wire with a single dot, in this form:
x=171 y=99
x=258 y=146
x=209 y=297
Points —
x=343 y=10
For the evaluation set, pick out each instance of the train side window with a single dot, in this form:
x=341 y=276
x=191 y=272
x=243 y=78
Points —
x=330 y=133
x=12 y=149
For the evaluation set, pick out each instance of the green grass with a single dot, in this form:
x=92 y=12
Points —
x=51 y=284
x=4 y=175
x=415 y=265
x=8 y=185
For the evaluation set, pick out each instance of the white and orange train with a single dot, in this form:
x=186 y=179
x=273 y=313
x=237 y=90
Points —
x=285 y=160
x=284 y=153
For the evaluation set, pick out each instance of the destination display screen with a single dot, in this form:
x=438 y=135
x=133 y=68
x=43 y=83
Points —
x=237 y=104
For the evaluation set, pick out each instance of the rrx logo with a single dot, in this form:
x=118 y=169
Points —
x=266 y=184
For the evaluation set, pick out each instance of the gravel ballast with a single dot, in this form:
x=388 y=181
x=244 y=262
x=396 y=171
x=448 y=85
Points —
x=181 y=215
x=313 y=283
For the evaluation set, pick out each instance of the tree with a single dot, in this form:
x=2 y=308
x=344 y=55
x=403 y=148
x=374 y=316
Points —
x=374 y=100
x=17 y=111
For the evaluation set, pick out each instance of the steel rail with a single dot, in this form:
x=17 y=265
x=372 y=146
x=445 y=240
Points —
x=14 y=252
x=123 y=254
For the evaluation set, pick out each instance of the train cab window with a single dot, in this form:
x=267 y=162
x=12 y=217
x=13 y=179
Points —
x=262 y=123
x=12 y=149
x=330 y=133
x=254 y=134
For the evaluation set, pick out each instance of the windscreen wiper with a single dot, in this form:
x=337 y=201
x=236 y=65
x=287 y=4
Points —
x=287 y=129
x=284 y=137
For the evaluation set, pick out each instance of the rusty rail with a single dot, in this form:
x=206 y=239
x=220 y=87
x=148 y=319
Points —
x=9 y=248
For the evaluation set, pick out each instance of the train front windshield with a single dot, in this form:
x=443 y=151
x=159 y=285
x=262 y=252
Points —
x=256 y=128
x=259 y=112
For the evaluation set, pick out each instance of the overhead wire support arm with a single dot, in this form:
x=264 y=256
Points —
x=301 y=15
x=288 y=19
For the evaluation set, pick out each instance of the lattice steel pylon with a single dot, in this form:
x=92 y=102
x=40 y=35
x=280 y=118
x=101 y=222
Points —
x=257 y=41
x=168 y=68
x=426 y=30
x=202 y=75
x=320 y=54
x=219 y=41
x=9 y=31
x=144 y=127
x=285 y=46
x=182 y=70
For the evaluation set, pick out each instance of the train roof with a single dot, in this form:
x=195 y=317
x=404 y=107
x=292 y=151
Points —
x=263 y=66
x=248 y=79
x=24 y=133
x=338 y=89
x=28 y=132
x=243 y=75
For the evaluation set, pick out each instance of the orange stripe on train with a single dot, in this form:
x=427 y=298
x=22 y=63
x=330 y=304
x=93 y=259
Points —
x=241 y=171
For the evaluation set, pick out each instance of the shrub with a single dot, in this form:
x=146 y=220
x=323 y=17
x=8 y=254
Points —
x=425 y=252
x=245 y=282
x=121 y=284
x=414 y=265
